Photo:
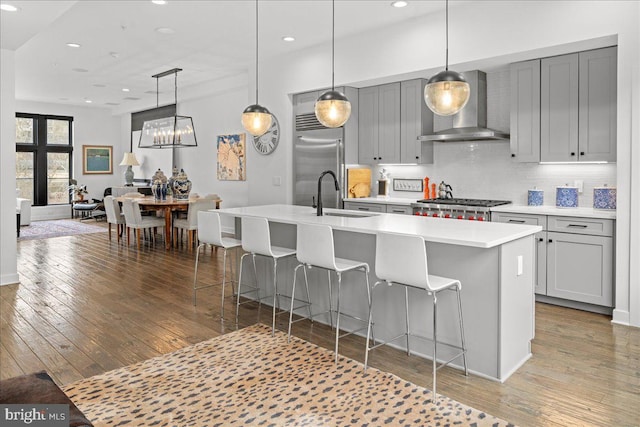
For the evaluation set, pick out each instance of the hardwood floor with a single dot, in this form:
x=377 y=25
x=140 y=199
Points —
x=86 y=305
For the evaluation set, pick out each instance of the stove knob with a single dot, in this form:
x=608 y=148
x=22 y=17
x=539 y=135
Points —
x=471 y=218
x=417 y=214
x=435 y=215
x=425 y=213
x=480 y=218
x=460 y=217
x=447 y=215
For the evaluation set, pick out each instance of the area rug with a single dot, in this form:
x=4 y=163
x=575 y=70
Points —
x=248 y=377
x=57 y=228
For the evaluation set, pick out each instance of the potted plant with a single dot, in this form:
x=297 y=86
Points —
x=77 y=191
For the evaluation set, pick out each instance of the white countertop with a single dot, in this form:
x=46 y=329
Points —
x=552 y=210
x=383 y=200
x=439 y=230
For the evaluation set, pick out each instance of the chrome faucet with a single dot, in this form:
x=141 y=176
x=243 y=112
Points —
x=335 y=180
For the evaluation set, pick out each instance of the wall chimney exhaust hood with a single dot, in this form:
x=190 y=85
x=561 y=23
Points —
x=470 y=124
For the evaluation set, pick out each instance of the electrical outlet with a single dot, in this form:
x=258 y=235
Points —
x=580 y=184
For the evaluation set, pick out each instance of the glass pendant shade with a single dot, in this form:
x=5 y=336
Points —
x=333 y=109
x=175 y=131
x=256 y=120
x=446 y=93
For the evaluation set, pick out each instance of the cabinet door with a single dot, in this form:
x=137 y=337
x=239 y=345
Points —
x=389 y=123
x=400 y=209
x=415 y=120
x=559 y=109
x=580 y=268
x=598 y=97
x=366 y=207
x=305 y=102
x=525 y=111
x=541 y=263
x=368 y=125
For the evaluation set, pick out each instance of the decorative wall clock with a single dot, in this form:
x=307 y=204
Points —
x=267 y=142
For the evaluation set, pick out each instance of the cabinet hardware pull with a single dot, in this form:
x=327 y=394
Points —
x=363 y=209
x=397 y=210
x=541 y=239
x=576 y=226
x=513 y=155
x=517 y=221
x=550 y=241
x=582 y=153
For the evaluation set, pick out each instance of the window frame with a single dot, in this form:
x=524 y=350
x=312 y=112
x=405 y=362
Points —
x=40 y=149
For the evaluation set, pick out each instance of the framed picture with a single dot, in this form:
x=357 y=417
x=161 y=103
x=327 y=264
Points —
x=231 y=157
x=97 y=159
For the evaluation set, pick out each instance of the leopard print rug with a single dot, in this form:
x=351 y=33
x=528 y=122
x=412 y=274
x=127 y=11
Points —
x=249 y=378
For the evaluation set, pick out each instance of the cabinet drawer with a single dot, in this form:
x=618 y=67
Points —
x=400 y=209
x=368 y=207
x=592 y=226
x=516 y=218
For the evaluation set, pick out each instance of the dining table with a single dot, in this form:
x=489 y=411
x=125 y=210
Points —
x=167 y=207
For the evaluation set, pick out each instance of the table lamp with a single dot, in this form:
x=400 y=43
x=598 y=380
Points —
x=129 y=160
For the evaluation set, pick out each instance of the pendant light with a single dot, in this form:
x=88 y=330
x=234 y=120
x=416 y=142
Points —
x=332 y=107
x=256 y=119
x=447 y=92
x=169 y=132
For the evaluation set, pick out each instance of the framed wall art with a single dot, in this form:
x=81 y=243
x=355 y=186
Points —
x=97 y=159
x=231 y=157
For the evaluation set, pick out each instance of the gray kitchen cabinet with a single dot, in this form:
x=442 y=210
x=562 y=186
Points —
x=415 y=119
x=366 y=207
x=525 y=111
x=400 y=209
x=598 y=105
x=575 y=259
x=559 y=108
x=379 y=124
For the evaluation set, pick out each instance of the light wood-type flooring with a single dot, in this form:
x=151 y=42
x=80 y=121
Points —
x=86 y=305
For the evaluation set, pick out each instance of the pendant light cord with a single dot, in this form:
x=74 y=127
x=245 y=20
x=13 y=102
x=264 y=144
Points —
x=446 y=67
x=256 y=52
x=175 y=88
x=333 y=42
x=157 y=92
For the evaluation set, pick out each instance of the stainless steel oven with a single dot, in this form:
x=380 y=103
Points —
x=461 y=209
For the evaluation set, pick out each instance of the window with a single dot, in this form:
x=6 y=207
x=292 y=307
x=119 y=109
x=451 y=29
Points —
x=44 y=152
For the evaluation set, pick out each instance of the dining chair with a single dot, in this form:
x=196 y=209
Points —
x=134 y=220
x=402 y=260
x=190 y=223
x=114 y=215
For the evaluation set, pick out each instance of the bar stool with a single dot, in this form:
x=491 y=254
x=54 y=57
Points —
x=316 y=249
x=256 y=240
x=210 y=233
x=402 y=260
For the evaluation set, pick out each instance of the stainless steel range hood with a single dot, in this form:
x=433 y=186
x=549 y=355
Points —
x=470 y=124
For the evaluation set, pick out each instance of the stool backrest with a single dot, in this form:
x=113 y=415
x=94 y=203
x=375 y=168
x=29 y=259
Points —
x=131 y=211
x=209 y=228
x=314 y=245
x=195 y=207
x=112 y=209
x=256 y=237
x=402 y=259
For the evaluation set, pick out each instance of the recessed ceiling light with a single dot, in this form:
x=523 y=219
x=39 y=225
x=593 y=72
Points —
x=80 y=70
x=165 y=30
x=289 y=38
x=114 y=54
x=73 y=44
x=88 y=101
x=8 y=7
x=159 y=1
x=399 y=3
x=124 y=89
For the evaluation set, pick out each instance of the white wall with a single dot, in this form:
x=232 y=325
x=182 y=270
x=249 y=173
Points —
x=481 y=34
x=91 y=126
x=8 y=257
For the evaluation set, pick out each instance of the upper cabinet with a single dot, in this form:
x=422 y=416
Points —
x=415 y=119
x=576 y=94
x=390 y=119
x=525 y=111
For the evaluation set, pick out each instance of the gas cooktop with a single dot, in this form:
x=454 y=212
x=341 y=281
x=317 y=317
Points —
x=465 y=202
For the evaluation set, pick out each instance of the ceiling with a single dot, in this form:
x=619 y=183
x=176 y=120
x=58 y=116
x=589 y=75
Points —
x=121 y=47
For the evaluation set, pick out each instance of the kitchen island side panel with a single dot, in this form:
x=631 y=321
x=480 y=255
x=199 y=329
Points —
x=479 y=271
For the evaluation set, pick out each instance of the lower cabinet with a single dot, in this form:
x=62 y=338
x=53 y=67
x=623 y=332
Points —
x=575 y=257
x=378 y=207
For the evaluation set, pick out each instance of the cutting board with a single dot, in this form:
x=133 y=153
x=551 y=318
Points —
x=358 y=183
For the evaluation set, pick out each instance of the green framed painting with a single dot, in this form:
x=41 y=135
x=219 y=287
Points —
x=97 y=159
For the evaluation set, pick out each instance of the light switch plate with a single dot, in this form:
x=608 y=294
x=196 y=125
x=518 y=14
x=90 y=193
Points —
x=404 y=184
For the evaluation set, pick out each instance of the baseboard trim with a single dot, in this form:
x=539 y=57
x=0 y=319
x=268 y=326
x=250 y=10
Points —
x=621 y=317
x=9 y=279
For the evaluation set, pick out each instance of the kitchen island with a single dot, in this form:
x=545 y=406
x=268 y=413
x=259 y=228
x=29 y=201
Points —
x=495 y=263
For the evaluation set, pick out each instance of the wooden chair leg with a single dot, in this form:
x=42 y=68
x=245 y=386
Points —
x=128 y=236
x=119 y=229
x=138 y=235
x=109 y=231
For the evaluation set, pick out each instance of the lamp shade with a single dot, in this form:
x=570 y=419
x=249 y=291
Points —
x=256 y=119
x=168 y=132
x=446 y=93
x=129 y=159
x=333 y=109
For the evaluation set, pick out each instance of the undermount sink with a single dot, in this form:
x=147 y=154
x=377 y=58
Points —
x=348 y=215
